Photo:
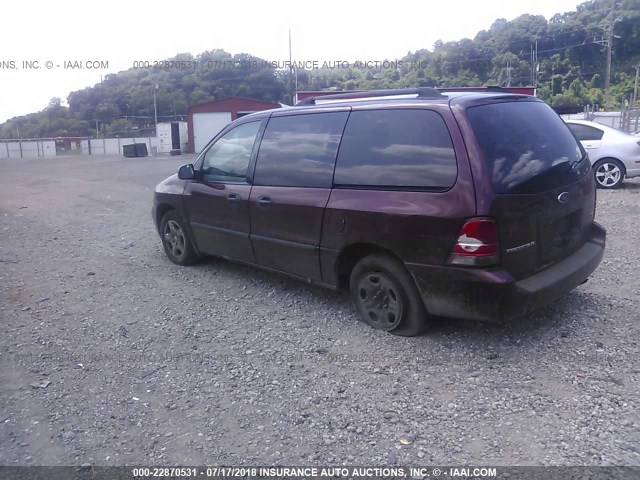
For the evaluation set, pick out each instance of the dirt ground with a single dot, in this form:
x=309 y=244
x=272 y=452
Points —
x=112 y=355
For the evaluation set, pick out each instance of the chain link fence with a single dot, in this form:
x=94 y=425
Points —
x=626 y=119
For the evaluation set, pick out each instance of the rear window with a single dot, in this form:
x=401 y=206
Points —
x=584 y=132
x=527 y=147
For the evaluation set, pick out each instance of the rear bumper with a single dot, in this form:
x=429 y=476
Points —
x=494 y=295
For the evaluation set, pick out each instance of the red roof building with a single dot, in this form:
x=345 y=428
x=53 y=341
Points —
x=205 y=120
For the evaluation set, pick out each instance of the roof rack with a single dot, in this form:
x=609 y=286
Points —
x=422 y=92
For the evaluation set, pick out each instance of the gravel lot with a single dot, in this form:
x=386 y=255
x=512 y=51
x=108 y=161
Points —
x=112 y=355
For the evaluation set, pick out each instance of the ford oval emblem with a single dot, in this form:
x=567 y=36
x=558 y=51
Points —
x=563 y=197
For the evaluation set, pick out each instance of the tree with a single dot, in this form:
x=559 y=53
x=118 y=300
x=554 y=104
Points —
x=119 y=128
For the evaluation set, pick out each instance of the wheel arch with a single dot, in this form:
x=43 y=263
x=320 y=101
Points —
x=350 y=255
x=161 y=211
x=604 y=159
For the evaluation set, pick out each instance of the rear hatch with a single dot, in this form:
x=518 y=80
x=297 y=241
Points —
x=543 y=197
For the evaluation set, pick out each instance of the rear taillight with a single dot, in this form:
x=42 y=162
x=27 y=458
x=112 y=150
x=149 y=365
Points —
x=477 y=244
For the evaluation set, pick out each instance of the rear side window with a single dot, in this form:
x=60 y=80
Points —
x=584 y=132
x=527 y=147
x=300 y=150
x=396 y=149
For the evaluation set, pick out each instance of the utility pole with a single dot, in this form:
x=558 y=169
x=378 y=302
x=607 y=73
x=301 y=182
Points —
x=155 y=86
x=293 y=88
x=610 y=37
x=155 y=108
x=534 y=63
x=607 y=78
x=635 y=86
x=532 y=66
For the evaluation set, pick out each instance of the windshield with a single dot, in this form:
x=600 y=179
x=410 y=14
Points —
x=527 y=147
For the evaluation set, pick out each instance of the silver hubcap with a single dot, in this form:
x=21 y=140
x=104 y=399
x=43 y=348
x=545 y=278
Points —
x=608 y=174
x=174 y=238
x=380 y=301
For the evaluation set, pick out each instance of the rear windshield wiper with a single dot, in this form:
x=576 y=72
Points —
x=573 y=165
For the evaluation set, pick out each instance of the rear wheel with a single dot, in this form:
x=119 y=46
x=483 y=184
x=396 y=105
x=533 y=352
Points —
x=386 y=296
x=175 y=239
x=608 y=173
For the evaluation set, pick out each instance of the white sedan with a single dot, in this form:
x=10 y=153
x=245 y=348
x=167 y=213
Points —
x=614 y=154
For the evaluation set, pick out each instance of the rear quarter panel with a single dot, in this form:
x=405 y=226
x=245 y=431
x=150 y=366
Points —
x=416 y=226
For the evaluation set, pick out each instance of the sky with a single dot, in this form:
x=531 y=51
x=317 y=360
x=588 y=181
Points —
x=99 y=38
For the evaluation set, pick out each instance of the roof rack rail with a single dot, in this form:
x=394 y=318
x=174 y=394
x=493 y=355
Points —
x=422 y=92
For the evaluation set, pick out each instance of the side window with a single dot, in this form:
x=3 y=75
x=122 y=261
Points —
x=396 y=148
x=584 y=132
x=300 y=150
x=228 y=159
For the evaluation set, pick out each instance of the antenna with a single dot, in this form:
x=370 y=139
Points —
x=293 y=86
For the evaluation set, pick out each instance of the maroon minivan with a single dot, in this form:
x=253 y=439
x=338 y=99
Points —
x=467 y=205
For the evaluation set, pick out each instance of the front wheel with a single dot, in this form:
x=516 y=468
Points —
x=608 y=173
x=386 y=296
x=175 y=239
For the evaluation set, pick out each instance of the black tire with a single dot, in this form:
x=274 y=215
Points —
x=386 y=296
x=609 y=173
x=176 y=240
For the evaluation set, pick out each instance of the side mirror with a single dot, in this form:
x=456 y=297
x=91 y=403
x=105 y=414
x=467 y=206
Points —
x=186 y=172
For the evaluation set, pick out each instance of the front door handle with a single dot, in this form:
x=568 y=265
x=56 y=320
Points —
x=234 y=198
x=264 y=201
